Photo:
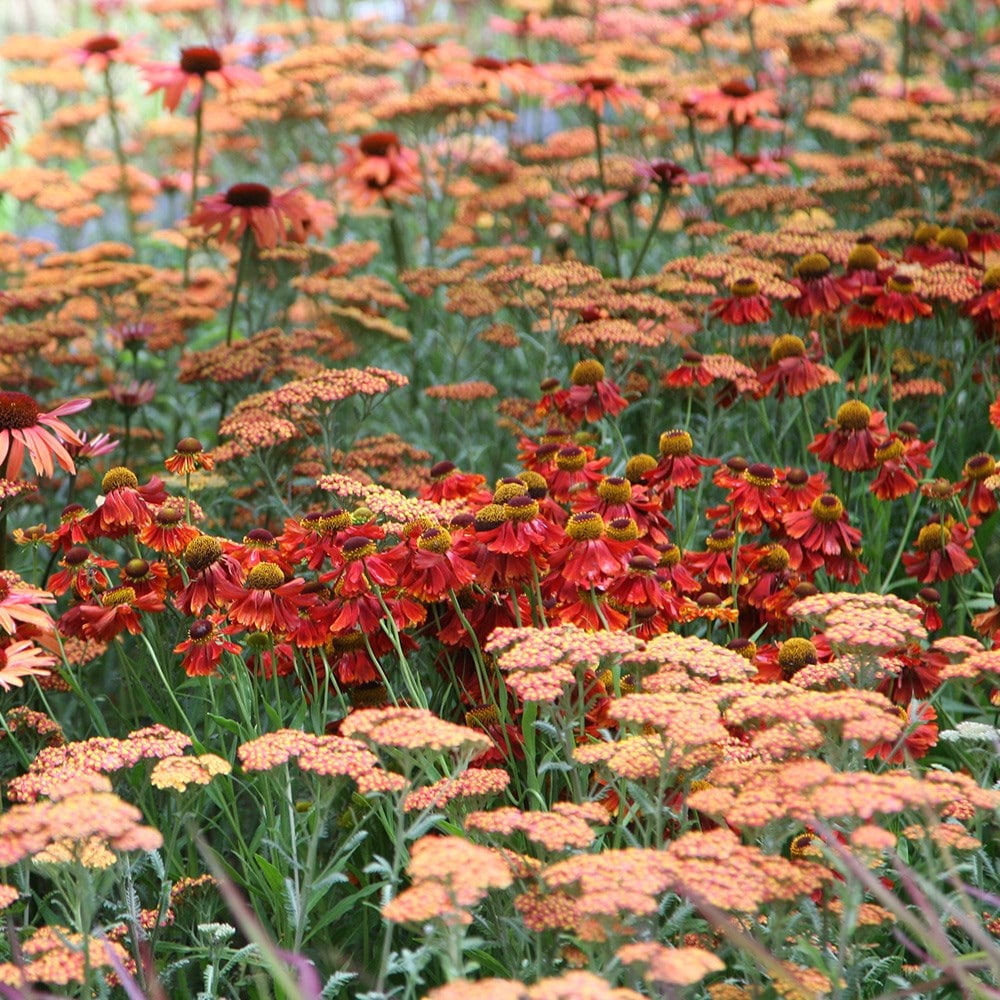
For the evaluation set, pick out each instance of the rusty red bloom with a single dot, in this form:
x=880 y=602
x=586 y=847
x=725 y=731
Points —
x=198 y=67
x=821 y=537
x=204 y=646
x=745 y=304
x=858 y=432
x=941 y=551
x=378 y=168
x=819 y=291
x=271 y=216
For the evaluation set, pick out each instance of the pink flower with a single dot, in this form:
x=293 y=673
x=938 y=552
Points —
x=197 y=67
x=25 y=428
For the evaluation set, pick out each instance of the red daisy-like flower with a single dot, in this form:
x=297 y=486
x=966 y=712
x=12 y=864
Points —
x=734 y=101
x=435 y=568
x=677 y=467
x=692 y=371
x=266 y=602
x=715 y=564
x=823 y=537
x=6 y=128
x=210 y=572
x=271 y=216
x=198 y=67
x=984 y=308
x=83 y=572
x=588 y=559
x=919 y=735
x=858 y=433
x=364 y=565
x=639 y=589
x=25 y=429
x=901 y=460
x=756 y=498
x=188 y=457
x=819 y=291
x=916 y=673
x=978 y=498
x=169 y=531
x=865 y=268
x=450 y=483
x=379 y=167
x=522 y=531
x=113 y=612
x=596 y=91
x=744 y=305
x=591 y=396
x=617 y=497
x=941 y=551
x=897 y=302
x=793 y=371
x=203 y=648
x=126 y=507
x=315 y=538
x=574 y=468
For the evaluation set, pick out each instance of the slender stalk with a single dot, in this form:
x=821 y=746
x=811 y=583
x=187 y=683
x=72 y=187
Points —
x=654 y=227
x=599 y=148
x=116 y=138
x=198 y=132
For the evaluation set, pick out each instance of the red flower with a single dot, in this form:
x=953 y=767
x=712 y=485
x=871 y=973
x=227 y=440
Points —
x=113 y=613
x=448 y=483
x=900 y=461
x=978 y=498
x=617 y=497
x=315 y=538
x=363 y=565
x=819 y=291
x=435 y=568
x=745 y=304
x=574 y=468
x=188 y=457
x=379 y=167
x=917 y=673
x=898 y=303
x=690 y=372
x=940 y=551
x=596 y=91
x=588 y=559
x=792 y=371
x=591 y=396
x=168 y=531
x=824 y=538
x=270 y=216
x=920 y=733
x=756 y=498
x=83 y=571
x=677 y=466
x=716 y=563
x=858 y=433
x=984 y=308
x=26 y=429
x=198 y=67
x=266 y=602
x=204 y=646
x=126 y=507
x=210 y=571
x=6 y=128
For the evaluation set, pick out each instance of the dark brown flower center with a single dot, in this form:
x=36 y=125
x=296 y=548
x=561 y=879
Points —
x=736 y=88
x=17 y=410
x=200 y=60
x=201 y=630
x=378 y=143
x=100 y=44
x=249 y=195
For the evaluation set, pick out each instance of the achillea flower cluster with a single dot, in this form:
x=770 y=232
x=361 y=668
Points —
x=410 y=729
x=449 y=876
x=566 y=826
x=472 y=783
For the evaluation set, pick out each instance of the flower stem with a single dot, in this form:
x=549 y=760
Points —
x=116 y=138
x=654 y=226
x=599 y=147
x=198 y=131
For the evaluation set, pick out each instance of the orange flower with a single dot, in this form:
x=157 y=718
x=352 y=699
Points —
x=858 y=433
x=6 y=129
x=745 y=304
x=25 y=428
x=23 y=659
x=379 y=167
x=198 y=67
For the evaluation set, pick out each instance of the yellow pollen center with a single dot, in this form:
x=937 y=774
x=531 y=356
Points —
x=854 y=415
x=670 y=556
x=118 y=596
x=991 y=279
x=521 y=509
x=265 y=576
x=979 y=466
x=484 y=715
x=891 y=452
x=794 y=654
x=827 y=508
x=351 y=553
x=932 y=537
x=775 y=559
x=637 y=466
x=505 y=491
x=615 y=490
x=434 y=540
x=571 y=458
x=744 y=288
x=954 y=239
x=864 y=257
x=676 y=443
x=812 y=266
x=119 y=478
x=202 y=552
x=788 y=346
x=588 y=372
x=490 y=516
x=719 y=542
x=622 y=529
x=585 y=527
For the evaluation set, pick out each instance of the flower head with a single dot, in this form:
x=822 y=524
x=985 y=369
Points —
x=26 y=428
x=379 y=167
x=271 y=216
x=198 y=67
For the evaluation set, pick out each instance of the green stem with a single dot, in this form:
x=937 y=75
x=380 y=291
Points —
x=116 y=138
x=245 y=244
x=599 y=146
x=654 y=226
x=198 y=132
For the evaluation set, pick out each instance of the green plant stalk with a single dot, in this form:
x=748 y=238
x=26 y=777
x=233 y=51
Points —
x=196 y=156
x=654 y=226
x=119 y=149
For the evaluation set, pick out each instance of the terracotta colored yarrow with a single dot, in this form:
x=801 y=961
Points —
x=557 y=830
x=55 y=767
x=473 y=783
x=401 y=728
x=58 y=956
x=539 y=664
x=699 y=658
x=670 y=966
x=181 y=771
